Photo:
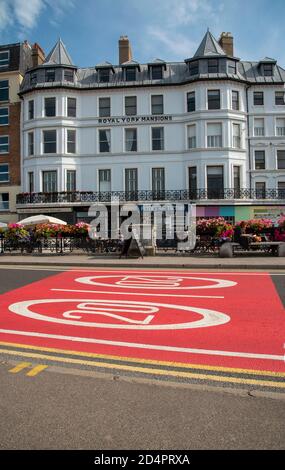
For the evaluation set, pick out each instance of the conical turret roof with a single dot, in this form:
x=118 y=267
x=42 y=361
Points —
x=58 y=55
x=209 y=47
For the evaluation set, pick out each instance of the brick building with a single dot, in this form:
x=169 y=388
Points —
x=15 y=59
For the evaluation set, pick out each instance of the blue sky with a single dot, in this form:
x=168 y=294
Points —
x=168 y=29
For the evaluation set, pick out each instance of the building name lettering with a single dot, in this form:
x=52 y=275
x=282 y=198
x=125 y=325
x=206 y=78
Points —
x=125 y=120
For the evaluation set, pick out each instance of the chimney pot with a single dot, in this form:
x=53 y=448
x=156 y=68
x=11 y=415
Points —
x=125 y=50
x=38 y=55
x=226 y=42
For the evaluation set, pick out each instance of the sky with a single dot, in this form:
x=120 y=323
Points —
x=167 y=29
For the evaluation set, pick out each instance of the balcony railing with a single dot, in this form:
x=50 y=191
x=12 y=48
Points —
x=141 y=196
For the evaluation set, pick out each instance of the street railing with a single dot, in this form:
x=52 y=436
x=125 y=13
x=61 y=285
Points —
x=66 y=197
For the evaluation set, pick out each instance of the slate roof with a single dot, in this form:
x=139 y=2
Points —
x=58 y=55
x=209 y=47
x=174 y=72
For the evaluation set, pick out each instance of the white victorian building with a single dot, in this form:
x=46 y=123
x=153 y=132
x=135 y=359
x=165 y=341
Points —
x=210 y=130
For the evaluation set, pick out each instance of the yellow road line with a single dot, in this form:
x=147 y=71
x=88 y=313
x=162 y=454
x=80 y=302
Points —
x=36 y=370
x=181 y=365
x=19 y=367
x=151 y=371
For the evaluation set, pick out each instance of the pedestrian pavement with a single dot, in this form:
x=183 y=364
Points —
x=249 y=262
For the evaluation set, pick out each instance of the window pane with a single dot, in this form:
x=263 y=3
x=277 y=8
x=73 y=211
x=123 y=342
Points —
x=130 y=105
x=31 y=186
x=31 y=109
x=259 y=127
x=191 y=106
x=104 y=75
x=157 y=138
x=4 y=201
x=131 y=140
x=194 y=67
x=268 y=70
x=214 y=135
x=131 y=179
x=50 y=75
x=215 y=182
x=49 y=181
x=30 y=143
x=4 y=90
x=4 y=58
x=68 y=75
x=281 y=159
x=235 y=100
x=258 y=98
x=191 y=130
x=130 y=74
x=4 y=116
x=236 y=136
x=213 y=66
x=71 y=107
x=259 y=157
x=214 y=99
x=156 y=72
x=71 y=141
x=158 y=179
x=280 y=98
x=71 y=180
x=105 y=140
x=281 y=189
x=280 y=127
x=104 y=180
x=104 y=107
x=157 y=104
x=4 y=173
x=50 y=105
x=33 y=78
x=192 y=179
x=236 y=177
x=260 y=189
x=4 y=144
x=49 y=141
x=232 y=68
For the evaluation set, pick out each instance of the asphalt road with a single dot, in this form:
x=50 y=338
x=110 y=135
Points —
x=55 y=410
x=77 y=407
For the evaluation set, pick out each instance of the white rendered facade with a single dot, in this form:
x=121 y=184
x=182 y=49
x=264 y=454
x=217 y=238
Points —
x=223 y=140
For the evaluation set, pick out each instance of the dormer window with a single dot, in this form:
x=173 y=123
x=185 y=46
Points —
x=4 y=58
x=232 y=67
x=194 y=67
x=104 y=75
x=50 y=75
x=130 y=74
x=268 y=70
x=33 y=78
x=266 y=67
x=156 y=72
x=68 y=75
x=213 y=66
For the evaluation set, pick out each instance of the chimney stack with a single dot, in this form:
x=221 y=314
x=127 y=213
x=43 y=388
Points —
x=226 y=42
x=125 y=51
x=38 y=55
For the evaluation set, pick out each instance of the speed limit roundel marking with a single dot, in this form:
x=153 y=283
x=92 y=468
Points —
x=109 y=308
x=153 y=282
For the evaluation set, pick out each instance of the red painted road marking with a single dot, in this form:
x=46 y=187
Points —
x=232 y=321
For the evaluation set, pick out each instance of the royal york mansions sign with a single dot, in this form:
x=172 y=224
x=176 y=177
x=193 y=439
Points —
x=134 y=119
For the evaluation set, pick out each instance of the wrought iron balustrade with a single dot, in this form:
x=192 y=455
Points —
x=148 y=195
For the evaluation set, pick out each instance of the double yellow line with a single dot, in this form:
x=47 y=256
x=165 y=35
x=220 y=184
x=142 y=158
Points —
x=189 y=371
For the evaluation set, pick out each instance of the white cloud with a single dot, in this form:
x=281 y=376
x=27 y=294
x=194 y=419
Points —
x=5 y=18
x=25 y=14
x=174 y=22
x=178 y=45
